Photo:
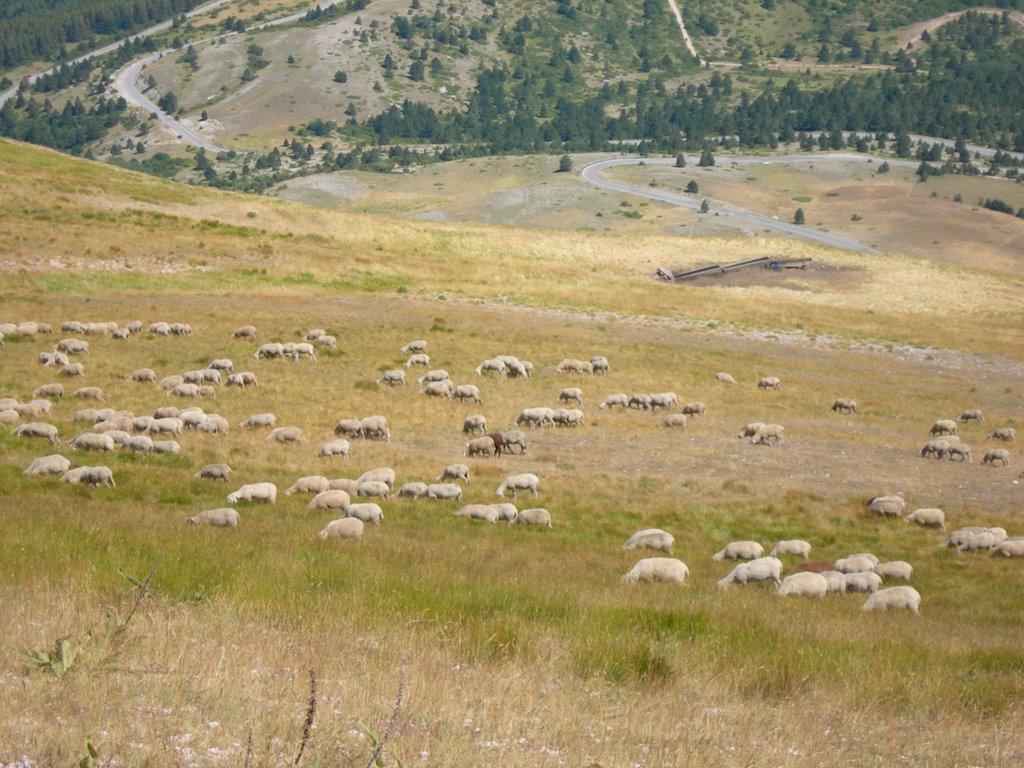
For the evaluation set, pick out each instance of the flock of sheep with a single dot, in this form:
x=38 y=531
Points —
x=111 y=429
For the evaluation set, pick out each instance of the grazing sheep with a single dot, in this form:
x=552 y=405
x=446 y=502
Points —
x=666 y=569
x=418 y=345
x=676 y=420
x=258 y=420
x=93 y=476
x=327 y=340
x=739 y=550
x=37 y=429
x=572 y=365
x=836 y=581
x=855 y=564
x=694 y=409
x=414 y=490
x=467 y=392
x=143 y=375
x=666 y=400
x=844 y=405
x=522 y=482
x=937 y=448
x=651 y=538
x=302 y=349
x=804 y=585
x=343 y=484
x=441 y=389
x=893 y=598
x=874 y=559
x=474 y=423
x=535 y=417
x=214 y=472
x=72 y=370
x=517 y=369
x=202 y=375
x=166 y=446
x=374 y=488
x=242 y=379
x=444 y=491
x=392 y=378
x=49 y=390
x=512 y=437
x=51 y=359
x=1012 y=547
x=245 y=332
x=994 y=455
x=254 y=492
x=139 y=444
x=343 y=528
x=1007 y=434
x=611 y=401
x=535 y=516
x=863 y=581
x=72 y=347
x=481 y=446
x=33 y=410
x=971 y=414
x=90 y=415
x=973 y=538
x=308 y=484
x=221 y=364
x=797 y=547
x=762 y=569
x=169 y=382
x=600 y=364
x=928 y=517
x=119 y=436
x=506 y=511
x=571 y=393
x=563 y=417
x=887 y=506
x=315 y=333
x=54 y=464
x=222 y=517
x=330 y=499
x=9 y=416
x=417 y=359
x=750 y=429
x=895 y=569
x=181 y=329
x=287 y=435
x=455 y=472
x=366 y=511
x=491 y=365
x=384 y=475
x=168 y=425
x=724 y=377
x=185 y=389
x=349 y=428
x=960 y=452
x=192 y=417
x=214 y=424
x=943 y=427
x=269 y=351
x=376 y=428
x=769 y=382
x=339 y=447
x=769 y=434
x=478 y=512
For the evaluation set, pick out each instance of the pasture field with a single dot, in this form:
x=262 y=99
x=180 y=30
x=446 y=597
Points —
x=462 y=643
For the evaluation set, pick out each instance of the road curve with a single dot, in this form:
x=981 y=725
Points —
x=593 y=174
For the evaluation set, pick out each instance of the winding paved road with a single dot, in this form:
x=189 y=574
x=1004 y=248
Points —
x=593 y=174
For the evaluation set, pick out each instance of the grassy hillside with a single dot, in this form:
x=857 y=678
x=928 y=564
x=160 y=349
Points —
x=502 y=645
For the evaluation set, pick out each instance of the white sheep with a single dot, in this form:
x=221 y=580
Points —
x=343 y=528
x=478 y=512
x=258 y=420
x=89 y=476
x=414 y=490
x=600 y=363
x=973 y=538
x=750 y=429
x=169 y=425
x=222 y=517
x=491 y=365
x=308 y=484
x=943 y=427
x=465 y=392
x=375 y=428
x=666 y=400
x=611 y=401
x=215 y=424
x=367 y=511
x=667 y=569
x=54 y=464
x=855 y=564
x=1011 y=547
x=694 y=409
x=380 y=474
x=269 y=351
x=417 y=345
x=739 y=550
x=769 y=382
x=72 y=370
x=928 y=517
x=512 y=437
x=254 y=492
x=37 y=429
x=336 y=499
x=797 y=547
x=143 y=375
x=455 y=472
x=440 y=389
x=392 y=378
x=971 y=414
x=343 y=484
x=844 y=405
x=574 y=394
x=1007 y=434
x=863 y=581
x=676 y=420
x=836 y=581
x=639 y=401
x=724 y=377
x=893 y=598
x=417 y=359
x=9 y=416
x=373 y=488
x=445 y=491
x=526 y=481
x=761 y=569
x=166 y=446
x=481 y=446
x=245 y=332
x=221 y=364
x=349 y=428
x=339 y=447
x=301 y=349
x=506 y=510
x=242 y=379
x=572 y=365
x=535 y=417
x=895 y=569
x=535 y=516
x=286 y=435
x=49 y=390
x=769 y=434
x=994 y=455
x=474 y=423
x=214 y=472
x=139 y=444
x=887 y=506
x=651 y=538
x=804 y=584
